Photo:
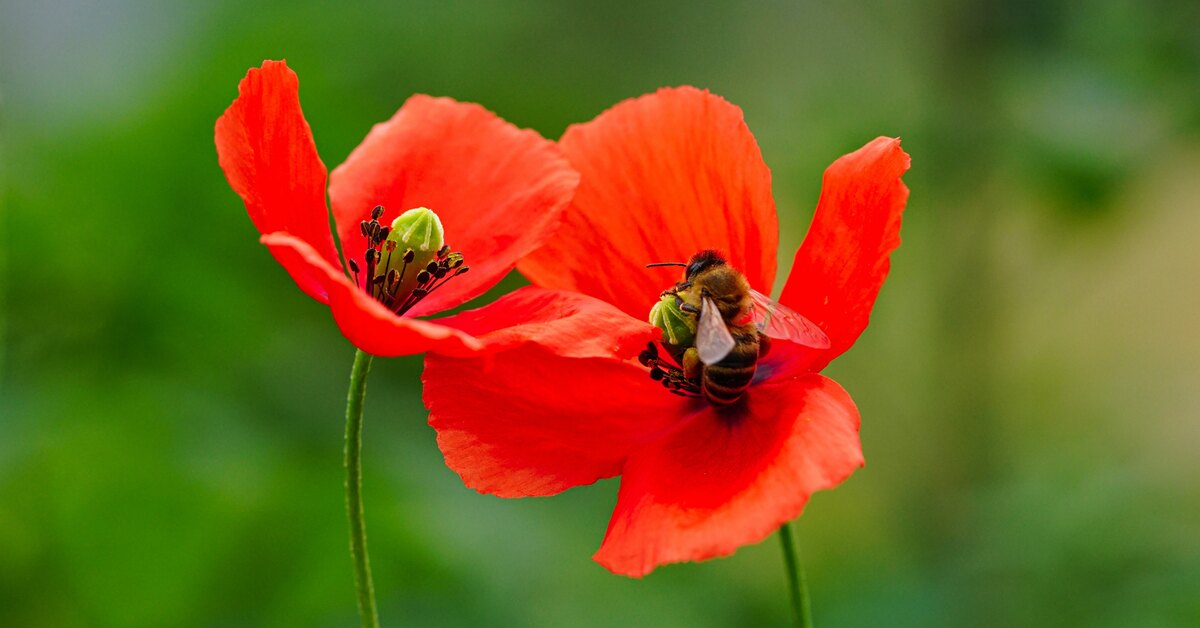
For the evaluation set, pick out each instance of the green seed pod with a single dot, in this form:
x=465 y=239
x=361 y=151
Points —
x=678 y=328
x=418 y=230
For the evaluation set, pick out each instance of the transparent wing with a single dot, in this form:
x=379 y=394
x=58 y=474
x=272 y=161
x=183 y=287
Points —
x=776 y=320
x=713 y=340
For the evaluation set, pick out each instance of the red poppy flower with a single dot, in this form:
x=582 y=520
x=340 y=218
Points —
x=559 y=400
x=499 y=192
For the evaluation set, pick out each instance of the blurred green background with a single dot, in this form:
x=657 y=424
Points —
x=171 y=405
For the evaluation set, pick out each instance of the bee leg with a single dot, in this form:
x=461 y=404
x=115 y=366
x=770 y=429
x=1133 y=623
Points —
x=691 y=363
x=686 y=307
x=764 y=345
x=683 y=285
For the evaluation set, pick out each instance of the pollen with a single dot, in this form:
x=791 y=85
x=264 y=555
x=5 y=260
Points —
x=407 y=261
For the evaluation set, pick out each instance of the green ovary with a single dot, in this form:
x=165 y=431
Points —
x=678 y=328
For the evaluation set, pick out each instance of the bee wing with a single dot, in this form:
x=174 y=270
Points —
x=713 y=340
x=776 y=320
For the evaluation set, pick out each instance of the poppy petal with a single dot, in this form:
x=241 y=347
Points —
x=527 y=421
x=663 y=177
x=498 y=190
x=723 y=481
x=266 y=149
x=568 y=323
x=362 y=320
x=843 y=261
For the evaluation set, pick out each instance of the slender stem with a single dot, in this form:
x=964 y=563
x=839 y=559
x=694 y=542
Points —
x=354 y=505
x=797 y=581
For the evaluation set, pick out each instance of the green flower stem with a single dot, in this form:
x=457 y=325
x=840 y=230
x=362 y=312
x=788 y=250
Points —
x=354 y=505
x=797 y=582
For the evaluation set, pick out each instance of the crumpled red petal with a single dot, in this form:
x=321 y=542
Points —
x=498 y=190
x=568 y=323
x=843 y=261
x=266 y=149
x=361 y=319
x=663 y=177
x=527 y=422
x=721 y=482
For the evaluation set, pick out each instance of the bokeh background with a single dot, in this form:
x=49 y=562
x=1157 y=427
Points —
x=171 y=405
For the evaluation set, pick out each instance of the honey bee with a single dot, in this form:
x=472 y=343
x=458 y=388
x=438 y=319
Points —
x=733 y=328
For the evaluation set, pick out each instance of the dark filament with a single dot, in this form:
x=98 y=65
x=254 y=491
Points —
x=665 y=371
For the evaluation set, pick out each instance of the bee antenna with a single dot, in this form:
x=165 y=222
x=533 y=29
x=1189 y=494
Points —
x=665 y=264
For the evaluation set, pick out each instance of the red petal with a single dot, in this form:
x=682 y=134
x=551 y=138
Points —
x=568 y=323
x=844 y=258
x=663 y=176
x=536 y=423
x=266 y=149
x=362 y=320
x=721 y=482
x=498 y=190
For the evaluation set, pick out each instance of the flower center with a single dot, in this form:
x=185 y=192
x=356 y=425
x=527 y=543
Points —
x=406 y=262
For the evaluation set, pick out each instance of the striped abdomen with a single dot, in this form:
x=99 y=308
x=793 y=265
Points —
x=726 y=381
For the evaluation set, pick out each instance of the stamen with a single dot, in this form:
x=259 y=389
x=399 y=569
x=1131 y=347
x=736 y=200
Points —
x=671 y=376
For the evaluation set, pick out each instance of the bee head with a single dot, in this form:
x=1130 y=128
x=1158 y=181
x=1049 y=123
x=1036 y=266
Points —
x=703 y=261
